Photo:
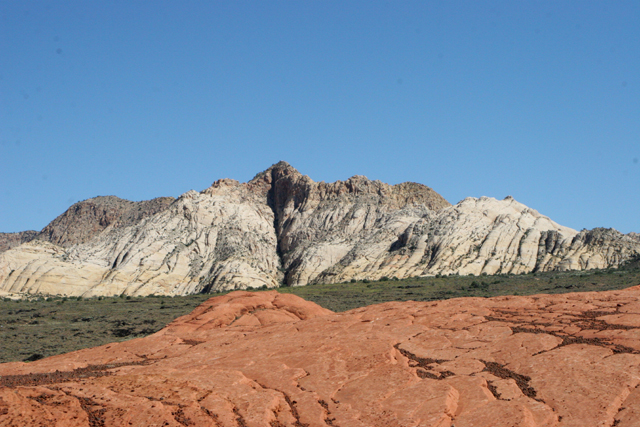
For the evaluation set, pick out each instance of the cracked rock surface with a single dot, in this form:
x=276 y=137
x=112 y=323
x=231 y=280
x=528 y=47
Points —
x=268 y=359
x=283 y=228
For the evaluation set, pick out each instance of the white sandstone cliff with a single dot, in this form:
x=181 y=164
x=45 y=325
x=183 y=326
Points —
x=282 y=227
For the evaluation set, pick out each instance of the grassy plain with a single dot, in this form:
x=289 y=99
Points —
x=38 y=328
x=342 y=297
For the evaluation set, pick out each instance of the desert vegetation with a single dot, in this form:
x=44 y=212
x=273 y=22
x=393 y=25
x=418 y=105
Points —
x=346 y=296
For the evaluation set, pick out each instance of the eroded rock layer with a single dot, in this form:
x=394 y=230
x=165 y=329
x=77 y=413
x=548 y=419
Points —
x=284 y=228
x=267 y=359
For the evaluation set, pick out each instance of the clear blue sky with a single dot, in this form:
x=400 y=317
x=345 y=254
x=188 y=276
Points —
x=539 y=100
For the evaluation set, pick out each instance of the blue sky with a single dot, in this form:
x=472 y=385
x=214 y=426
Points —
x=539 y=100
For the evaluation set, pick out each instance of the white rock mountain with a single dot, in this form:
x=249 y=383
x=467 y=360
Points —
x=284 y=228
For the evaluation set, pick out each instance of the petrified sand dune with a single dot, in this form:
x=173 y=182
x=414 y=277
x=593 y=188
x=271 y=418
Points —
x=268 y=359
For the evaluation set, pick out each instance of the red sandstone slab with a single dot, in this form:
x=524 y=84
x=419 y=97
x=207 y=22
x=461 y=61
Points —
x=268 y=359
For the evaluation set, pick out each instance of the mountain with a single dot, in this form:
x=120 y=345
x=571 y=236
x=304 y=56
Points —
x=283 y=228
x=269 y=359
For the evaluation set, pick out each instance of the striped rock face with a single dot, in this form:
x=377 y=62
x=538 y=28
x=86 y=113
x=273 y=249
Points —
x=283 y=228
x=267 y=359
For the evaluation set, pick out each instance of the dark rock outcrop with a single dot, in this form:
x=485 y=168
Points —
x=85 y=220
x=10 y=240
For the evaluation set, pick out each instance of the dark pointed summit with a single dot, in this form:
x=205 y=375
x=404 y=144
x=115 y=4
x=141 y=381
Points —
x=276 y=171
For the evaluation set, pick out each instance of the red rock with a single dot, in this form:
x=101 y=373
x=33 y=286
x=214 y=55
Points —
x=268 y=359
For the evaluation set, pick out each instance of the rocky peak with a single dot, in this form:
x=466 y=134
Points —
x=85 y=220
x=600 y=236
x=286 y=184
x=221 y=186
x=274 y=172
x=10 y=240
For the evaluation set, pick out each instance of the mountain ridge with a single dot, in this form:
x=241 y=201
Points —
x=282 y=228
